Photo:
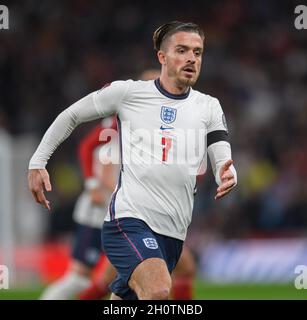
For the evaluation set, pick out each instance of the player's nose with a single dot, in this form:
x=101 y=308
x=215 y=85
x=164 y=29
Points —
x=191 y=57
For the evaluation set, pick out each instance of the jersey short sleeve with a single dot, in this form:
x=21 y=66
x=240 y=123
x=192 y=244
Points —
x=109 y=98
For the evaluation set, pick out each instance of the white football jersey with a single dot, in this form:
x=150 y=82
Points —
x=162 y=146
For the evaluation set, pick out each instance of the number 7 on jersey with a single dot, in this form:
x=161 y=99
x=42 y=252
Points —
x=167 y=144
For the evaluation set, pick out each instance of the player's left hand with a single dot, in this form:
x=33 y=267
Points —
x=227 y=178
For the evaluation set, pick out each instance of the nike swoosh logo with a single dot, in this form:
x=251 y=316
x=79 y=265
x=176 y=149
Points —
x=166 y=128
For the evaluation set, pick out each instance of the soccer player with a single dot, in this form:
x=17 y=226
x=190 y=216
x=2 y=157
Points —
x=185 y=271
x=89 y=213
x=151 y=207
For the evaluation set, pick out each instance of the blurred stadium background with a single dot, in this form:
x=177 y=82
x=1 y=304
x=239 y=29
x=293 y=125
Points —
x=248 y=245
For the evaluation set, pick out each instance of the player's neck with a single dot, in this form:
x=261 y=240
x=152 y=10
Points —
x=170 y=86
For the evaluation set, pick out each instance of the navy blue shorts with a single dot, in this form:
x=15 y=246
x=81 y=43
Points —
x=129 y=241
x=87 y=246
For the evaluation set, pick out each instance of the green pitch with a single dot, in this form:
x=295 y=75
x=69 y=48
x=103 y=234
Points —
x=203 y=291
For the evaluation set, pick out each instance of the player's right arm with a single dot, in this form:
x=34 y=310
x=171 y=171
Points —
x=99 y=104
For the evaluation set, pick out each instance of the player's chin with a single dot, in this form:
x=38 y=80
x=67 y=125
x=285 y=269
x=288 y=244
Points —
x=189 y=80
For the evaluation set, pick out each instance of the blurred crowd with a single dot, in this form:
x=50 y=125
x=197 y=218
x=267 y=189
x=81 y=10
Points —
x=255 y=63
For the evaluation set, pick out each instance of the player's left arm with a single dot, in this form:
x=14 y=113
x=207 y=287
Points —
x=223 y=169
x=219 y=151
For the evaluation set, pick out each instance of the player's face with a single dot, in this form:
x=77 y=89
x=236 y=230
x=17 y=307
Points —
x=183 y=56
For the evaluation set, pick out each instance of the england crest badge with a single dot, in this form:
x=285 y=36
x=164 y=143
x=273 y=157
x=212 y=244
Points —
x=168 y=114
x=150 y=243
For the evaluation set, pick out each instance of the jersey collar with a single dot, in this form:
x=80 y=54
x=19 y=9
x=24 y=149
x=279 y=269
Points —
x=171 y=95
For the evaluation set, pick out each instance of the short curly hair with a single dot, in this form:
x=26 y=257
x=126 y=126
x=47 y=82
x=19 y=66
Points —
x=168 y=29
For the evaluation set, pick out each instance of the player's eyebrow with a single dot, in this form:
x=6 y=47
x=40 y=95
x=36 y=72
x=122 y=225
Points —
x=187 y=47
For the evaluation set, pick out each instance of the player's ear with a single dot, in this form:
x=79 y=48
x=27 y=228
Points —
x=161 y=57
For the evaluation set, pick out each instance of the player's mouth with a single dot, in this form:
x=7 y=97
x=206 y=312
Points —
x=190 y=71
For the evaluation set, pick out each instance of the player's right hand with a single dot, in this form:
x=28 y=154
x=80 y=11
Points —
x=38 y=179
